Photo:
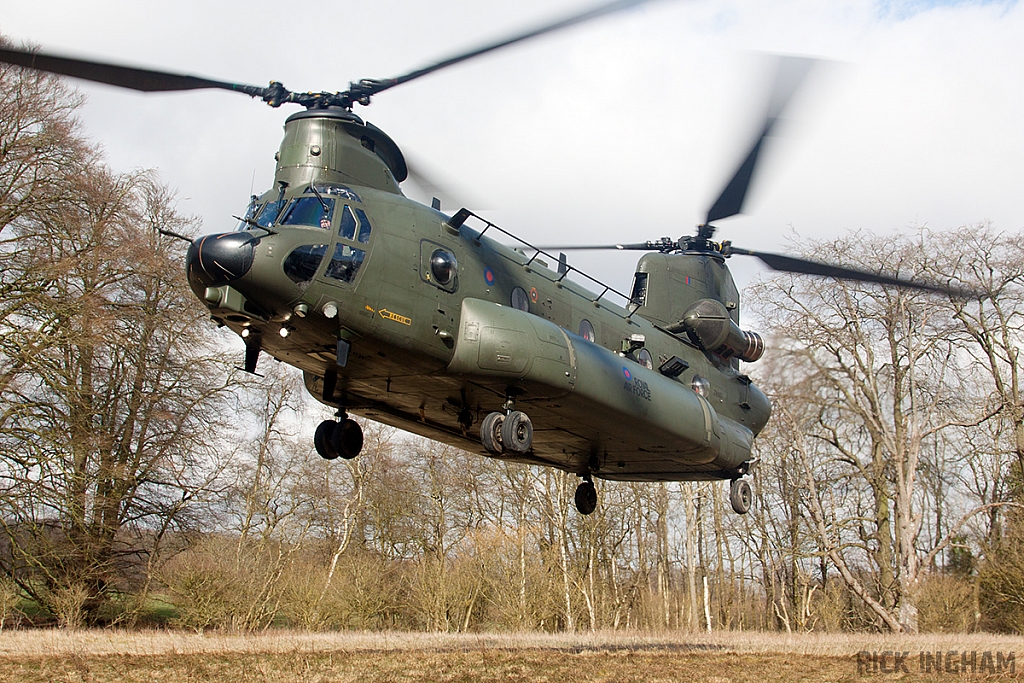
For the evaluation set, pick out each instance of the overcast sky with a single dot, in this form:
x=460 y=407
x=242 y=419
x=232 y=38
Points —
x=620 y=129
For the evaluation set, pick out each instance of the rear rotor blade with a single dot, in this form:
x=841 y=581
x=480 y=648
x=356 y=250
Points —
x=144 y=80
x=792 y=71
x=792 y=264
x=372 y=87
x=658 y=245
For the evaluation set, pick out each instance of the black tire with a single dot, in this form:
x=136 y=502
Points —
x=347 y=439
x=322 y=440
x=490 y=433
x=740 y=495
x=586 y=497
x=517 y=432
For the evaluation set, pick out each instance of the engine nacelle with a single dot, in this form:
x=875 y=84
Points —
x=708 y=323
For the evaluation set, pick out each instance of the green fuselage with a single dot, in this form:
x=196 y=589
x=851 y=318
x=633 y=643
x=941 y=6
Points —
x=352 y=261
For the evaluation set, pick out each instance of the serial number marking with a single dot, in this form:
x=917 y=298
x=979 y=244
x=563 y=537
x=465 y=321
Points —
x=388 y=315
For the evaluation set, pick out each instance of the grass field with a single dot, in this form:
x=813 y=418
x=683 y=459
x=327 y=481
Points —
x=157 y=657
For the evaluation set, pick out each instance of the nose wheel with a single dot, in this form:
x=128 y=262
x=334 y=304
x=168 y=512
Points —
x=740 y=495
x=342 y=439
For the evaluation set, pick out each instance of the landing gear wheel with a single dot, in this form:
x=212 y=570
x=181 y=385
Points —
x=347 y=439
x=322 y=440
x=490 y=433
x=586 y=497
x=517 y=432
x=740 y=495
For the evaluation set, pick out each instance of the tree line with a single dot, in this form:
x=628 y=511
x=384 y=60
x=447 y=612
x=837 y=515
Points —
x=142 y=477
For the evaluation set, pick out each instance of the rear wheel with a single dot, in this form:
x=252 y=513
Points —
x=322 y=440
x=517 y=432
x=586 y=497
x=347 y=439
x=490 y=433
x=740 y=495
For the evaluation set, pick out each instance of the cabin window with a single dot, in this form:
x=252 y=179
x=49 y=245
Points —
x=301 y=264
x=345 y=263
x=644 y=358
x=639 y=295
x=315 y=211
x=443 y=267
x=587 y=331
x=520 y=299
x=268 y=214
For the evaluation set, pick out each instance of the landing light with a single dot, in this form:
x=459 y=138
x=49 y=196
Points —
x=285 y=331
x=245 y=332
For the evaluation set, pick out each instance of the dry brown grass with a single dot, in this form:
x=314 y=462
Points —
x=158 y=656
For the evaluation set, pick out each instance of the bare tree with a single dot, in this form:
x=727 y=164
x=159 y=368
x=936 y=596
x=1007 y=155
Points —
x=111 y=388
x=874 y=367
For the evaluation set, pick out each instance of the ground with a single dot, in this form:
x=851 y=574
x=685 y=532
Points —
x=167 y=656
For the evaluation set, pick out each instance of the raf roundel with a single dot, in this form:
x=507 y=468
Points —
x=488 y=276
x=627 y=374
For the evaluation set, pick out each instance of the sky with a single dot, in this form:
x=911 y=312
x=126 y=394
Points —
x=622 y=129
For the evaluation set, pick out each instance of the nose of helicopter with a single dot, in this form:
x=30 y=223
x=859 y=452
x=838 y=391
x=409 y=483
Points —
x=215 y=260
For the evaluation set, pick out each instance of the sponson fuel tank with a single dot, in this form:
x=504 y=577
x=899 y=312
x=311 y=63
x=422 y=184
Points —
x=621 y=397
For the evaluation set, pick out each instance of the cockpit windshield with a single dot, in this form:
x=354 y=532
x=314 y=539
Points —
x=268 y=214
x=315 y=211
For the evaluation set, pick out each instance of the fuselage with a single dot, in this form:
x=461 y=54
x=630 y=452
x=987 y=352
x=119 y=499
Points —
x=396 y=312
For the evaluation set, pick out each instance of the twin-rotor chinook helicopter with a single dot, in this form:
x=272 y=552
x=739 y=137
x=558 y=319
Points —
x=425 y=321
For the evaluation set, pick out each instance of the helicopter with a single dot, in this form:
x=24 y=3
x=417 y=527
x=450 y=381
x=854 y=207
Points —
x=452 y=328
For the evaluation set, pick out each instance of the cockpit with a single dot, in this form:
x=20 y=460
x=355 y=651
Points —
x=325 y=206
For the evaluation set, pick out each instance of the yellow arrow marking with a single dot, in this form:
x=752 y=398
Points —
x=388 y=315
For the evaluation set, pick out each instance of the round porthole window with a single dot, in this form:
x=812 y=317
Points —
x=587 y=331
x=644 y=358
x=443 y=267
x=700 y=385
x=520 y=299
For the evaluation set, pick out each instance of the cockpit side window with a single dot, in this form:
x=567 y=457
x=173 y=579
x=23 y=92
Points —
x=351 y=229
x=250 y=214
x=315 y=211
x=347 y=225
x=345 y=263
x=364 y=227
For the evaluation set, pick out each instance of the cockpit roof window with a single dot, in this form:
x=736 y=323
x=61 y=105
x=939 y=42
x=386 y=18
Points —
x=335 y=190
x=315 y=211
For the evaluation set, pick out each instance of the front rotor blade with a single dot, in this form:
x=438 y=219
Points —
x=144 y=80
x=792 y=264
x=599 y=11
x=792 y=71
